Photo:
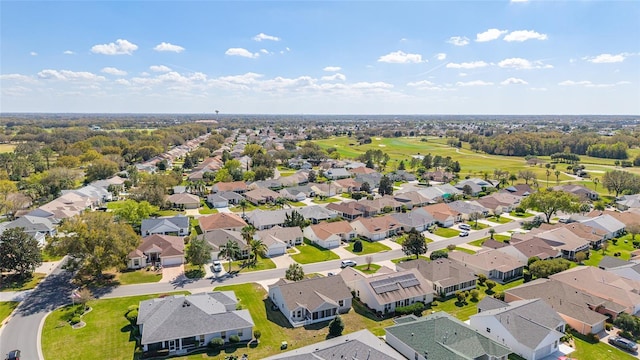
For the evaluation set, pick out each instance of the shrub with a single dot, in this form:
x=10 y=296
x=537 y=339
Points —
x=257 y=334
x=216 y=343
x=451 y=247
x=132 y=316
x=490 y=284
x=234 y=339
x=415 y=308
x=499 y=295
x=482 y=278
x=357 y=246
x=75 y=320
x=474 y=294
x=437 y=254
x=608 y=326
x=336 y=326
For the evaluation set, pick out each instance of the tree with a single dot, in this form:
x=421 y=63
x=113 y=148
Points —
x=513 y=178
x=526 y=175
x=633 y=229
x=198 y=251
x=231 y=250
x=618 y=181
x=596 y=181
x=257 y=248
x=295 y=219
x=312 y=176
x=243 y=203
x=466 y=190
x=474 y=216
x=492 y=232
x=336 y=326
x=365 y=187
x=414 y=244
x=368 y=260
x=557 y=174
x=19 y=252
x=386 y=186
x=134 y=212
x=101 y=169
x=262 y=173
x=95 y=241
x=83 y=296
x=550 y=201
x=546 y=268
x=439 y=254
x=580 y=257
x=490 y=284
x=294 y=272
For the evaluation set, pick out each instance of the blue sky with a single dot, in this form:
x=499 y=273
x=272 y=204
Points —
x=307 y=57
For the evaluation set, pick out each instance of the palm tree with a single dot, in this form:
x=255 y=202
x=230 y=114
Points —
x=513 y=178
x=548 y=173
x=557 y=174
x=596 y=181
x=243 y=204
x=230 y=250
x=257 y=248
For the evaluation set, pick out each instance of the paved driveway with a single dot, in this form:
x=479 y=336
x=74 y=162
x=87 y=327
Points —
x=282 y=261
x=170 y=273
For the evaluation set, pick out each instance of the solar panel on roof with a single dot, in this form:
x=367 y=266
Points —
x=385 y=288
x=409 y=283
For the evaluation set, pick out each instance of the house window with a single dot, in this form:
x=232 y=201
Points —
x=136 y=262
x=240 y=333
x=488 y=330
x=201 y=340
x=299 y=313
x=223 y=334
x=341 y=302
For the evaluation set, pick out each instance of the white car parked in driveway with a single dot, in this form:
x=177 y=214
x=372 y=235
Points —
x=217 y=266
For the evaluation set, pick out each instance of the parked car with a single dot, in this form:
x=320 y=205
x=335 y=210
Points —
x=464 y=233
x=623 y=343
x=217 y=266
x=346 y=263
x=465 y=227
x=13 y=355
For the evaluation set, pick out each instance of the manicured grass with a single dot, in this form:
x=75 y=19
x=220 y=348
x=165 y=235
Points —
x=623 y=248
x=286 y=173
x=371 y=269
x=598 y=351
x=7 y=307
x=500 y=220
x=141 y=276
x=521 y=215
x=107 y=331
x=261 y=264
x=496 y=237
x=368 y=247
x=409 y=258
x=446 y=232
x=324 y=201
x=13 y=283
x=478 y=226
x=464 y=311
x=205 y=209
x=113 y=205
x=46 y=256
x=311 y=253
x=468 y=251
x=297 y=204
x=346 y=195
x=194 y=272
x=162 y=213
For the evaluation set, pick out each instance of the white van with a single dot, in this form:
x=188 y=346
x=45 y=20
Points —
x=466 y=227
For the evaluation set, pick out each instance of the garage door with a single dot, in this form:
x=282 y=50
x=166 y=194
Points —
x=171 y=261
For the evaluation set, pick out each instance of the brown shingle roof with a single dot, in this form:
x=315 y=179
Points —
x=220 y=221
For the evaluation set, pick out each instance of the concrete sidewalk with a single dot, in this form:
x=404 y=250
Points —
x=343 y=253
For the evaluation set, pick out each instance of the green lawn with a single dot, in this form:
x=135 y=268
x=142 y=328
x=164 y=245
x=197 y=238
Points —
x=521 y=215
x=261 y=264
x=140 y=276
x=205 y=209
x=368 y=247
x=496 y=237
x=113 y=205
x=623 y=248
x=587 y=351
x=500 y=220
x=468 y=251
x=464 y=311
x=311 y=253
x=478 y=226
x=46 y=256
x=324 y=201
x=297 y=203
x=107 y=332
x=371 y=269
x=446 y=232
x=7 y=307
x=194 y=272
x=410 y=258
x=13 y=283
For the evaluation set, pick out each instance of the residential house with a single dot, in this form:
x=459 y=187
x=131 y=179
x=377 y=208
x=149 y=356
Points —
x=337 y=173
x=603 y=284
x=326 y=189
x=443 y=214
x=261 y=196
x=292 y=194
x=289 y=237
x=180 y=323
x=611 y=226
x=330 y=234
x=626 y=217
x=176 y=225
x=439 y=176
x=239 y=187
x=584 y=312
x=348 y=185
x=580 y=191
x=448 y=277
x=531 y=328
x=411 y=199
x=31 y=225
x=377 y=228
x=346 y=210
x=165 y=250
x=316 y=213
x=402 y=175
x=226 y=221
x=418 y=219
x=359 y=169
x=378 y=206
x=372 y=178
x=216 y=201
x=519 y=190
x=626 y=202
x=343 y=347
x=232 y=198
x=499 y=202
x=385 y=292
x=441 y=336
x=266 y=219
x=531 y=247
x=467 y=209
x=184 y=201
x=627 y=269
x=439 y=193
x=312 y=300
x=219 y=238
x=495 y=265
x=561 y=238
x=474 y=188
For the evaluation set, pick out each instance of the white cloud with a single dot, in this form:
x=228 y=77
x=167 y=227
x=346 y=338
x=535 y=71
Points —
x=400 y=57
x=113 y=71
x=123 y=82
x=474 y=83
x=458 y=40
x=489 y=35
x=462 y=74
x=120 y=47
x=164 y=46
x=159 y=68
x=587 y=83
x=514 y=81
x=265 y=51
x=263 y=36
x=538 y=89
x=241 y=52
x=608 y=58
x=334 y=77
x=428 y=85
x=441 y=56
x=68 y=75
x=33 y=53
x=332 y=68
x=17 y=77
x=524 y=35
x=523 y=64
x=68 y=52
x=467 y=65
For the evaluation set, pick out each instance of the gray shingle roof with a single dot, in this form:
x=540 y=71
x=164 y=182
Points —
x=312 y=293
x=182 y=316
x=444 y=337
x=177 y=222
